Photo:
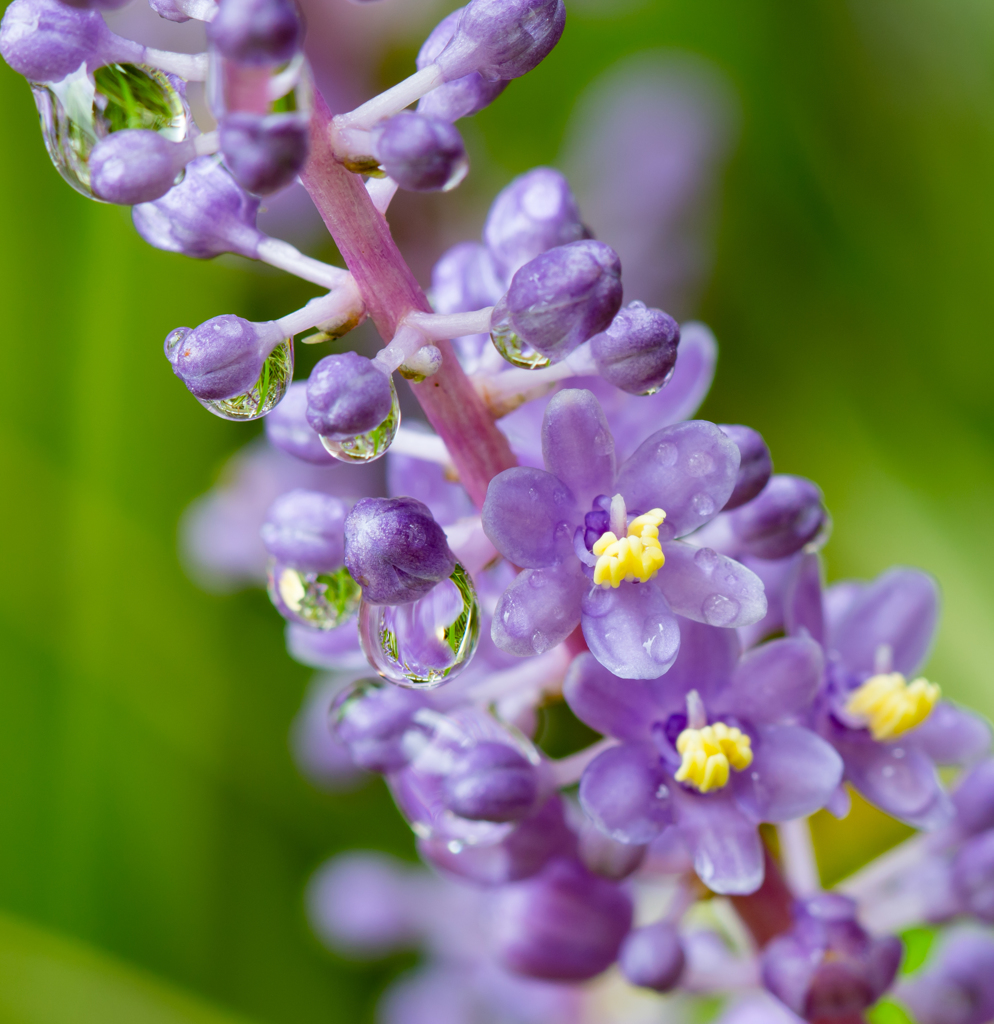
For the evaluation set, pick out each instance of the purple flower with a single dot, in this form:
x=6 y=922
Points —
x=958 y=986
x=421 y=153
x=379 y=724
x=677 y=479
x=264 y=152
x=257 y=32
x=710 y=750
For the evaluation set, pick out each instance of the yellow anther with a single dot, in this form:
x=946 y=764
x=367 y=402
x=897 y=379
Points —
x=639 y=556
x=891 y=706
x=708 y=754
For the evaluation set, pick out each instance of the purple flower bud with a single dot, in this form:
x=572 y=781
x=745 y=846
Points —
x=395 y=550
x=97 y=5
x=562 y=297
x=637 y=352
x=755 y=467
x=973 y=799
x=491 y=782
x=206 y=214
x=606 y=856
x=287 y=428
x=786 y=515
x=264 y=152
x=536 y=212
x=422 y=154
x=465 y=279
x=375 y=720
x=959 y=988
x=564 y=924
x=221 y=358
x=257 y=31
x=347 y=395
x=176 y=10
x=652 y=957
x=306 y=530
x=136 y=166
x=462 y=96
x=502 y=38
x=973 y=875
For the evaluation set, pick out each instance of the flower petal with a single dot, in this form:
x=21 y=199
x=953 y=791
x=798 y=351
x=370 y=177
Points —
x=777 y=679
x=577 y=445
x=624 y=792
x=707 y=587
x=539 y=609
x=802 y=601
x=705 y=663
x=688 y=470
x=625 y=708
x=952 y=735
x=630 y=631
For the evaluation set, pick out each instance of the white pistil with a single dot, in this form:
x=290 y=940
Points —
x=439 y=326
x=618 y=516
x=798 y=855
x=393 y=100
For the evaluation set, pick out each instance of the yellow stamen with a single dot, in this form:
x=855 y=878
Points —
x=639 y=556
x=708 y=754
x=891 y=706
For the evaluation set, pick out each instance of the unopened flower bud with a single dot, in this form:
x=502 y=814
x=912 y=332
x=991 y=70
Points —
x=563 y=924
x=502 y=39
x=257 y=31
x=376 y=722
x=973 y=799
x=422 y=154
x=561 y=298
x=206 y=214
x=637 y=352
x=136 y=166
x=653 y=957
x=287 y=428
x=222 y=357
x=536 y=212
x=491 y=782
x=97 y=5
x=395 y=550
x=306 y=530
x=755 y=466
x=264 y=152
x=786 y=515
x=959 y=987
x=347 y=395
x=465 y=279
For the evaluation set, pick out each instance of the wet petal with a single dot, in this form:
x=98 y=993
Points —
x=630 y=631
x=625 y=794
x=577 y=445
x=705 y=663
x=952 y=735
x=539 y=609
x=777 y=679
x=625 y=708
x=793 y=774
x=802 y=602
x=689 y=470
x=708 y=587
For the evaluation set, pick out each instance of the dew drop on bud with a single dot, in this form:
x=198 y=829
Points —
x=370 y=446
x=322 y=600
x=515 y=350
x=427 y=642
x=264 y=395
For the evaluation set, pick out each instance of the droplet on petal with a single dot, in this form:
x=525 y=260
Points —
x=372 y=445
x=719 y=610
x=264 y=395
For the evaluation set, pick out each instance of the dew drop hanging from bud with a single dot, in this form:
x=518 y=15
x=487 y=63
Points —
x=427 y=642
x=264 y=395
x=79 y=111
x=370 y=446
x=516 y=351
x=320 y=600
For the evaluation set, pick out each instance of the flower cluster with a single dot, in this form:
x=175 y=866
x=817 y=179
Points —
x=560 y=531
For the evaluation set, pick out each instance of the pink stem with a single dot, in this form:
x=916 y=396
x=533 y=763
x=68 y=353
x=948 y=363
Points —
x=246 y=88
x=388 y=287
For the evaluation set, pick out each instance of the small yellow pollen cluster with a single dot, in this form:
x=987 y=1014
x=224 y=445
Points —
x=891 y=705
x=707 y=754
x=638 y=556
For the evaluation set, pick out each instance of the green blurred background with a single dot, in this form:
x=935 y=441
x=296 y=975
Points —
x=152 y=822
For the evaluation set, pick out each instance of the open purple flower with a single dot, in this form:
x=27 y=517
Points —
x=599 y=543
x=711 y=750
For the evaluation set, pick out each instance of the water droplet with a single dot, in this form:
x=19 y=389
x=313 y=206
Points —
x=700 y=464
x=372 y=446
x=174 y=337
x=78 y=112
x=459 y=171
x=319 y=600
x=719 y=610
x=265 y=394
x=427 y=642
x=706 y=559
x=666 y=453
x=516 y=351
x=703 y=504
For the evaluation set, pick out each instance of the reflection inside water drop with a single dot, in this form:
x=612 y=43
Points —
x=264 y=395
x=373 y=445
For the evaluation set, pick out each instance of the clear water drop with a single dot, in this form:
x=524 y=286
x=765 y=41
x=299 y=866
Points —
x=79 y=111
x=719 y=610
x=372 y=446
x=516 y=351
x=704 y=504
x=319 y=600
x=264 y=395
x=459 y=171
x=427 y=642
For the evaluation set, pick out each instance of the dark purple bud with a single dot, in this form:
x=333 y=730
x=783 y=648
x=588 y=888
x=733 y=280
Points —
x=347 y=395
x=287 y=428
x=973 y=799
x=491 y=782
x=561 y=298
x=45 y=40
x=206 y=214
x=563 y=924
x=257 y=31
x=422 y=154
x=637 y=352
x=136 y=166
x=786 y=515
x=462 y=96
x=264 y=152
x=959 y=988
x=97 y=5
x=465 y=279
x=755 y=466
x=375 y=720
x=652 y=957
x=502 y=38
x=535 y=213
x=395 y=550
x=306 y=530
x=221 y=358
x=973 y=875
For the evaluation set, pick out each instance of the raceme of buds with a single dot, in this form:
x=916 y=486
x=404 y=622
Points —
x=347 y=395
x=257 y=32
x=137 y=166
x=786 y=515
x=637 y=352
x=264 y=152
x=491 y=782
x=422 y=154
x=306 y=530
x=395 y=550
x=653 y=957
x=376 y=722
x=755 y=467
x=287 y=428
